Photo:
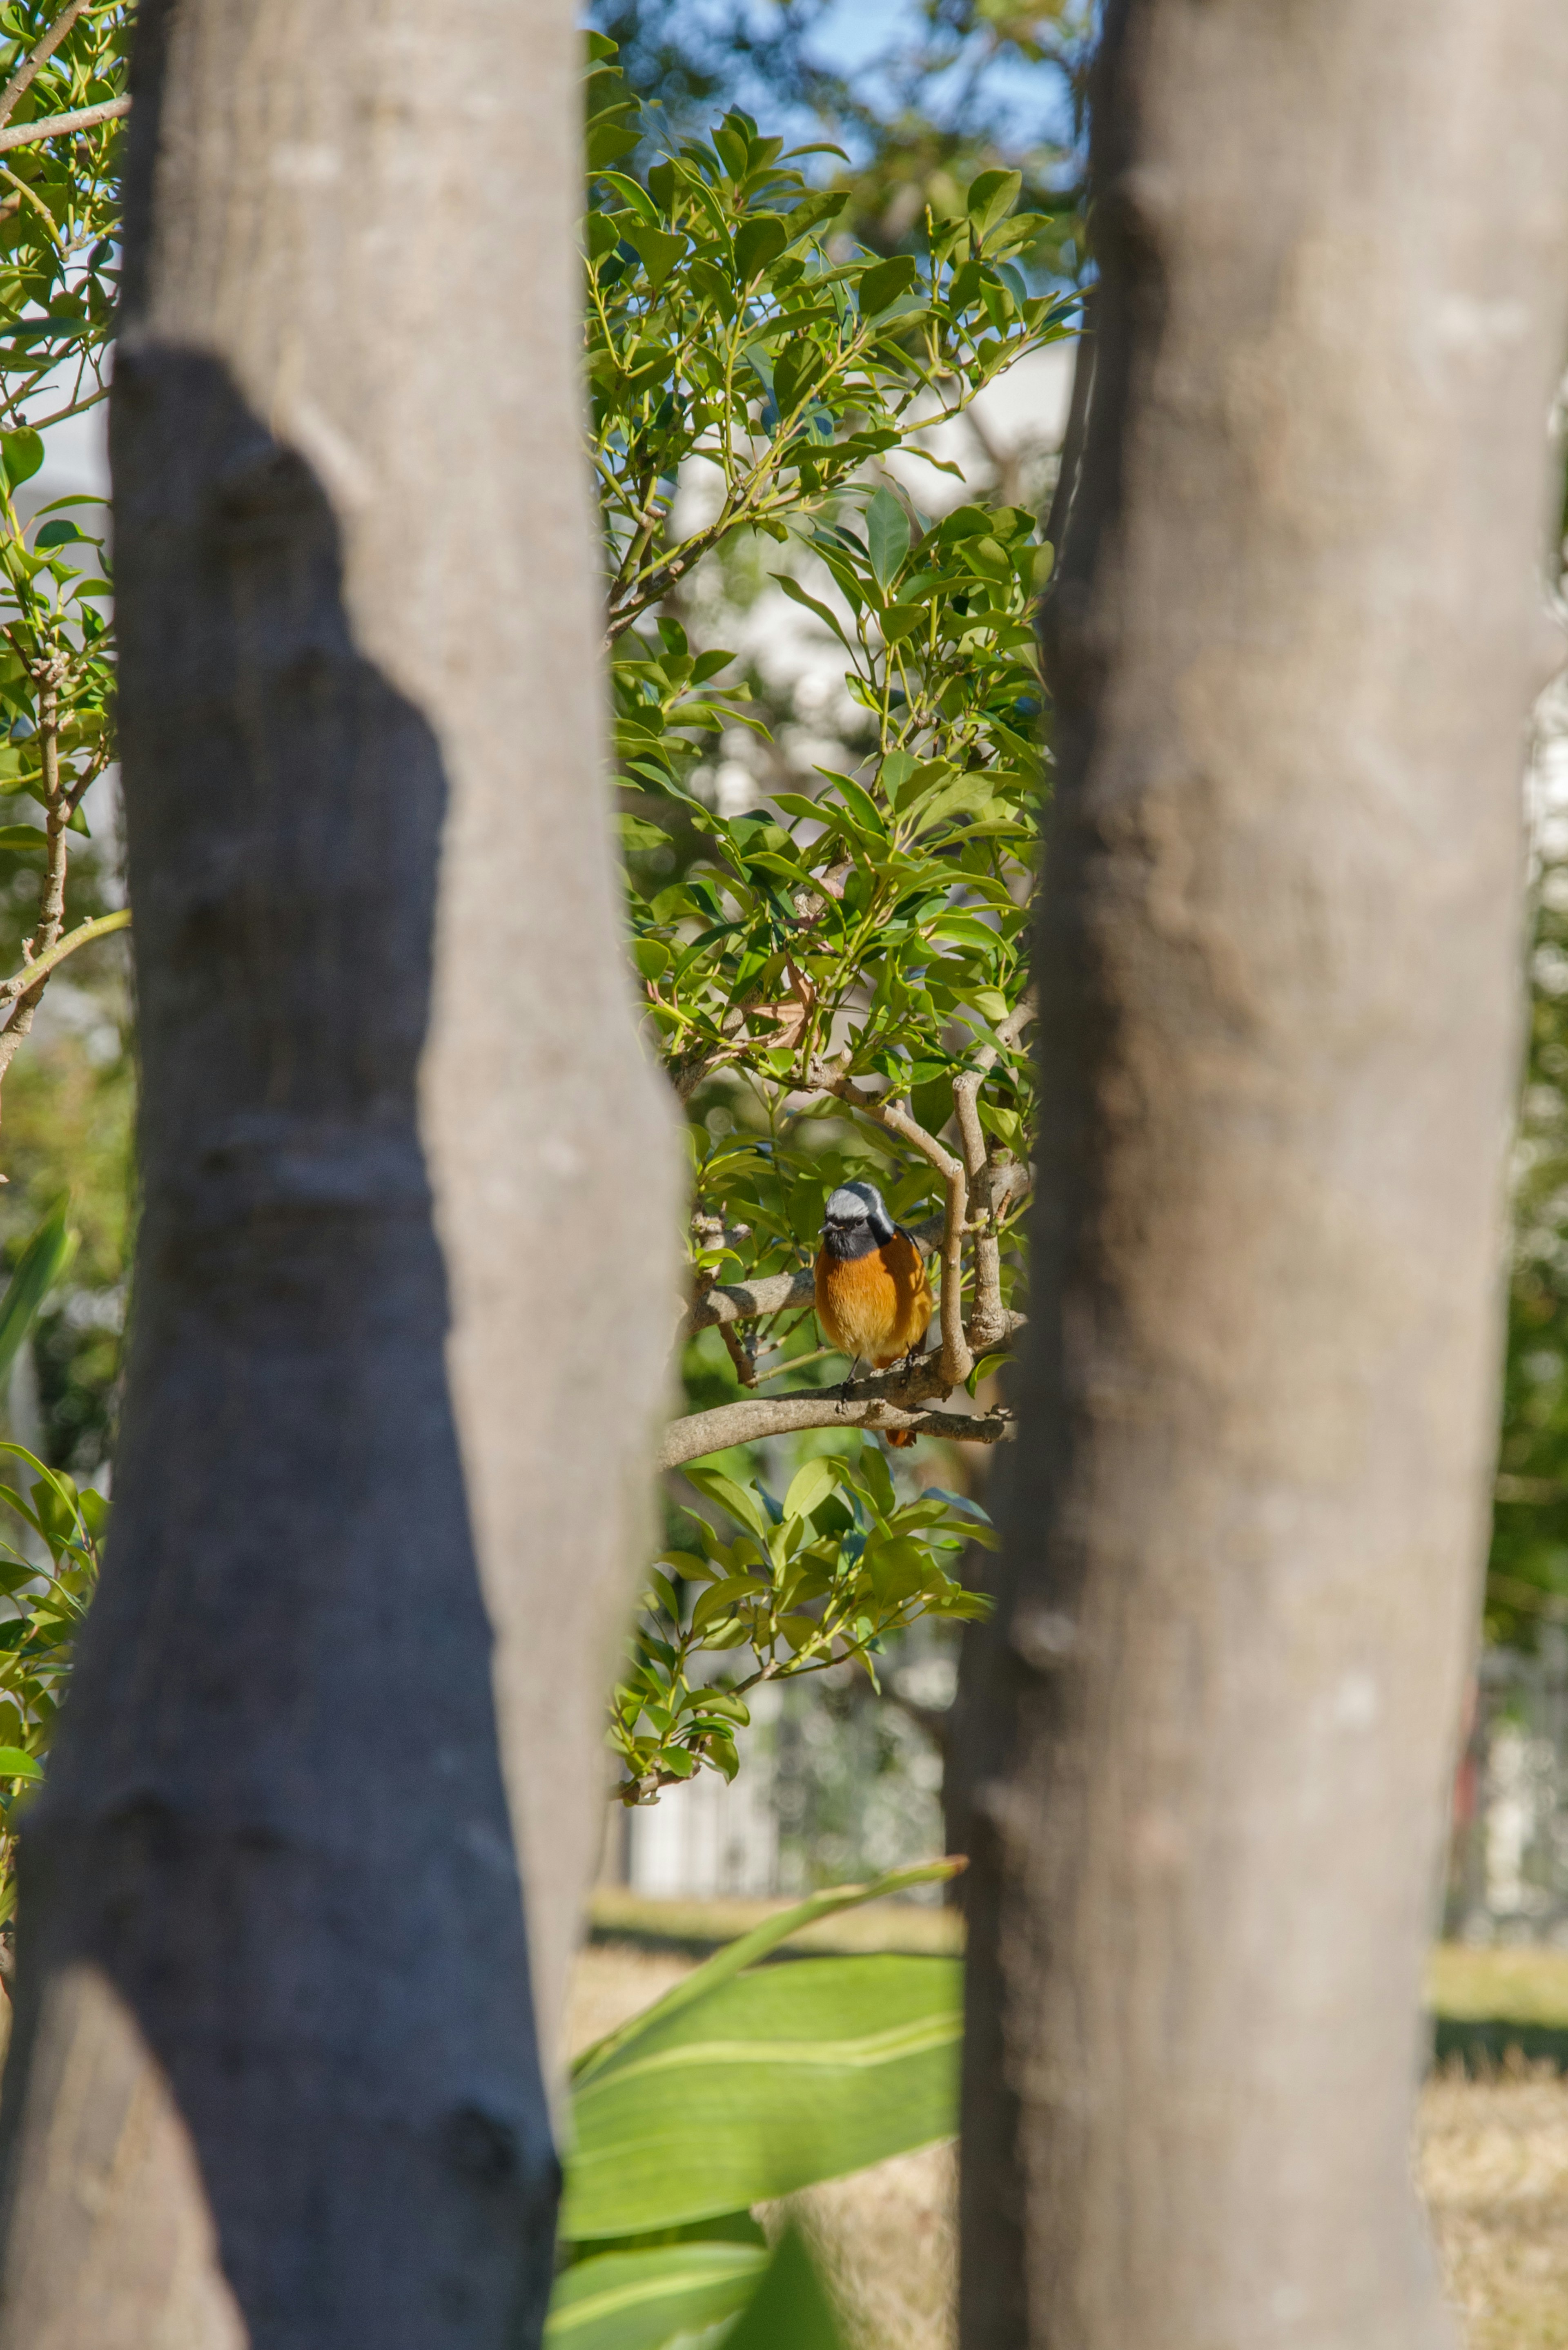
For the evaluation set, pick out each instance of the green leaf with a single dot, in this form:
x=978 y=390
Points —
x=795 y=369
x=883 y=284
x=725 y=1706
x=59 y=533
x=886 y=535
x=762 y=2086
x=14 y=1764
x=656 y=250
x=797 y=594
x=742 y=1506
x=39 y=1267
x=21 y=453
x=635 y=834
x=720 y=1598
x=791 y=2310
x=21 y=838
x=965 y=795
x=639 y=2301
x=749 y=1948
x=758 y=242
x=992 y=197
x=876 y=1479
x=811 y=1485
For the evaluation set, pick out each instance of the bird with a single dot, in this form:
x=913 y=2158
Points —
x=873 y=1296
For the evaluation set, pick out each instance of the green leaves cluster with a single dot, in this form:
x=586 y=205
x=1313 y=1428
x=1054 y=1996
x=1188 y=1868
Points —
x=821 y=1577
x=56 y=649
x=745 y=2082
x=720 y=324
x=755 y=377
x=36 y=1639
x=58 y=279
x=59 y=214
x=45 y=1605
x=1527 y=1584
x=887 y=914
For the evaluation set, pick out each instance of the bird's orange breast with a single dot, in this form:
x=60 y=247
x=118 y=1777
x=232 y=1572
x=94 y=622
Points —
x=874 y=1307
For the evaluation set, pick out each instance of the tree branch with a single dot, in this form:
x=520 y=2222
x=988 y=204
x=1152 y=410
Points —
x=988 y=1315
x=59 y=126
x=83 y=936
x=38 y=56
x=891 y=1401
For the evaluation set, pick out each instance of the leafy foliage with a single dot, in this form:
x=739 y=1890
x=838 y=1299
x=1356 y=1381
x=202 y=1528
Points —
x=823 y=1576
x=69 y=1102
x=59 y=276
x=953 y=88
x=60 y=220
x=753 y=379
x=36 y=1641
x=1528 y=1581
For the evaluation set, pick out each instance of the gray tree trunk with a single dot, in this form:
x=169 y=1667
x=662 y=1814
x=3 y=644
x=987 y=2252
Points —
x=1297 y=632
x=401 y=1292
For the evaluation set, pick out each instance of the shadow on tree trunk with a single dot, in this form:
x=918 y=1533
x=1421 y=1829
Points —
x=276 y=1840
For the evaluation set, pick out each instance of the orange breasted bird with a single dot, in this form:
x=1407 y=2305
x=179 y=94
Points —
x=873 y=1296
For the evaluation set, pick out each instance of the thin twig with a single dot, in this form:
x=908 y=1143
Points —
x=987 y=1314
x=60 y=126
x=83 y=936
x=39 y=56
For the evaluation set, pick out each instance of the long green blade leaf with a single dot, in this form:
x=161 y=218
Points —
x=638 y=2301
x=791 y=2310
x=772 y=2081
x=38 y=1268
x=748 y=1949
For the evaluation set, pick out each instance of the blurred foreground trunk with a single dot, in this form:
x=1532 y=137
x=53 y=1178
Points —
x=277 y=2077
x=1298 y=626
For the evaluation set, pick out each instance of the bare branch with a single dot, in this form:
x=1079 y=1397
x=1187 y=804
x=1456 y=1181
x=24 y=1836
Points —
x=741 y=1353
x=866 y=1404
x=82 y=936
x=60 y=126
x=39 y=56
x=988 y=1191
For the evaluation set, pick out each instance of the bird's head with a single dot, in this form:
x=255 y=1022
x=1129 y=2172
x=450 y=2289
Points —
x=856 y=1214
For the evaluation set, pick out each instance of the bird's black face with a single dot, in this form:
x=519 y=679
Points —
x=856 y=1221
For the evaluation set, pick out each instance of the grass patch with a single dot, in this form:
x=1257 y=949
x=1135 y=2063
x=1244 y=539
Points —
x=1523 y=1986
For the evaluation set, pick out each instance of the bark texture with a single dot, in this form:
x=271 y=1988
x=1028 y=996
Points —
x=1298 y=627
x=400 y=1294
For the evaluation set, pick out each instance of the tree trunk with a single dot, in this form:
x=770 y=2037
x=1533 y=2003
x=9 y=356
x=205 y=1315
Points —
x=1297 y=632
x=275 y=2078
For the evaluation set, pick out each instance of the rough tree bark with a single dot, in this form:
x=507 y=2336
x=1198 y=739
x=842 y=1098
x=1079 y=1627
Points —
x=274 y=2079
x=1299 y=626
